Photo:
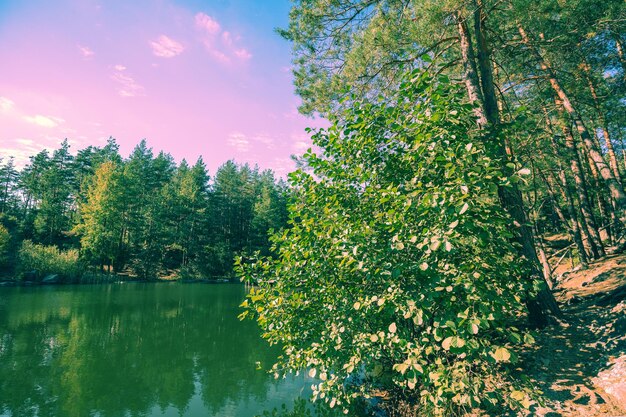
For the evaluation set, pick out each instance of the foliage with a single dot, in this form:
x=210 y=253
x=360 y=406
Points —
x=5 y=242
x=45 y=260
x=398 y=273
x=144 y=215
x=301 y=408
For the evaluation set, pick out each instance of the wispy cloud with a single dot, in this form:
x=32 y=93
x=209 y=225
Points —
x=283 y=166
x=85 y=51
x=239 y=141
x=25 y=141
x=221 y=44
x=44 y=121
x=243 y=53
x=266 y=140
x=6 y=104
x=128 y=87
x=165 y=47
x=300 y=143
x=207 y=24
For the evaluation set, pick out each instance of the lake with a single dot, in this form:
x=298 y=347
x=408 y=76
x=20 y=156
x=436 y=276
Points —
x=132 y=349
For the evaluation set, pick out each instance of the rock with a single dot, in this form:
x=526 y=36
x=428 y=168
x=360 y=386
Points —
x=51 y=279
x=613 y=381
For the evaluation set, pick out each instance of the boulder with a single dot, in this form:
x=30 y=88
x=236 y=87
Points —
x=613 y=381
x=51 y=279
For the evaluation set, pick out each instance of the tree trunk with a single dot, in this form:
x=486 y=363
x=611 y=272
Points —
x=602 y=122
x=539 y=308
x=617 y=192
x=620 y=53
x=589 y=221
x=572 y=221
x=470 y=74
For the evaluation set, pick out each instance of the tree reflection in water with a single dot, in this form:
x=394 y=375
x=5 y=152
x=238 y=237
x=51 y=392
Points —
x=134 y=350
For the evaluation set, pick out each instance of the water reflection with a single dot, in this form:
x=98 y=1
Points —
x=133 y=350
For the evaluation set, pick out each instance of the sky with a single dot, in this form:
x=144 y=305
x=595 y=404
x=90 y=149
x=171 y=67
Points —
x=194 y=78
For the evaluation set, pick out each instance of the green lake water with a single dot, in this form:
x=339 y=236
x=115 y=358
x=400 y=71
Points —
x=134 y=350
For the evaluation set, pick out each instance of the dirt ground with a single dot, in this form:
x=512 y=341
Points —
x=580 y=365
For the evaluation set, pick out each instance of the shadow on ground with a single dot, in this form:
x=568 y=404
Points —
x=580 y=365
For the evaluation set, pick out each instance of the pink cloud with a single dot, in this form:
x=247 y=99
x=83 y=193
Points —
x=239 y=141
x=44 y=121
x=6 y=104
x=243 y=54
x=207 y=23
x=165 y=47
x=128 y=87
x=223 y=47
x=227 y=38
x=85 y=51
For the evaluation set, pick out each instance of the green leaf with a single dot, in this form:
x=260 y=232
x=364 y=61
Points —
x=501 y=354
x=452 y=342
x=518 y=395
x=401 y=367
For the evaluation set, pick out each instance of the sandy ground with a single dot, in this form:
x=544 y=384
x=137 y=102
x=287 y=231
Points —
x=580 y=365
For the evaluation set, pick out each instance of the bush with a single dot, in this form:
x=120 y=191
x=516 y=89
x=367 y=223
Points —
x=398 y=276
x=46 y=260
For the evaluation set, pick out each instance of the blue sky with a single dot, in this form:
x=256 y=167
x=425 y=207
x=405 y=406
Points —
x=208 y=78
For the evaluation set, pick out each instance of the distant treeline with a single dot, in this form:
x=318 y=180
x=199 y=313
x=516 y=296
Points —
x=143 y=215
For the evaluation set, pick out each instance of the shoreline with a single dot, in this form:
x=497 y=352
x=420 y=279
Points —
x=6 y=283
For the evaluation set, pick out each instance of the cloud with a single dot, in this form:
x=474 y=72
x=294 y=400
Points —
x=207 y=23
x=283 y=166
x=265 y=140
x=6 y=104
x=227 y=38
x=165 y=47
x=300 y=143
x=85 y=51
x=239 y=141
x=44 y=121
x=243 y=54
x=25 y=141
x=128 y=87
x=220 y=44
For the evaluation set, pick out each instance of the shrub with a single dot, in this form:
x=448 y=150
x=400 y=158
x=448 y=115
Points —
x=398 y=275
x=47 y=260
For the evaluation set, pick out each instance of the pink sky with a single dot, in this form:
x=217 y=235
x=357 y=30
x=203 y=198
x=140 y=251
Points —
x=193 y=78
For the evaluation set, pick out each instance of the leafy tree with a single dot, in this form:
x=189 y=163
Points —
x=398 y=273
x=102 y=227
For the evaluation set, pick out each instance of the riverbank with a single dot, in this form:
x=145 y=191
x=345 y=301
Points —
x=110 y=279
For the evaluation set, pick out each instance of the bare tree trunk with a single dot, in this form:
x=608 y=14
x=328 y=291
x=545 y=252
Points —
x=617 y=192
x=573 y=222
x=470 y=74
x=589 y=223
x=602 y=122
x=539 y=308
x=607 y=217
x=620 y=52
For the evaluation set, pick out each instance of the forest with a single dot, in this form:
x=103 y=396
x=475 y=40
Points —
x=145 y=217
x=417 y=271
